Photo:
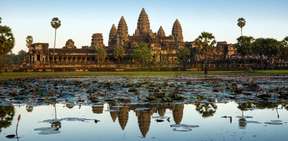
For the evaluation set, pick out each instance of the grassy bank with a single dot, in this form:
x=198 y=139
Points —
x=15 y=75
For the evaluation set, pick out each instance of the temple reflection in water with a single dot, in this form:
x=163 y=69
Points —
x=147 y=114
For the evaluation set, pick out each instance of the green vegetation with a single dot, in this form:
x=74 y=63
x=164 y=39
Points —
x=6 y=116
x=205 y=42
x=101 y=55
x=14 y=59
x=119 y=53
x=7 y=42
x=268 y=47
x=244 y=45
x=142 y=54
x=241 y=22
x=6 y=39
x=16 y=75
x=183 y=56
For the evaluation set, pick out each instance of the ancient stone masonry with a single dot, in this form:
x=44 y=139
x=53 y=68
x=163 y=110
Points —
x=161 y=33
x=144 y=120
x=97 y=40
x=112 y=35
x=38 y=53
x=143 y=25
x=69 y=44
x=177 y=34
x=164 y=47
x=122 y=33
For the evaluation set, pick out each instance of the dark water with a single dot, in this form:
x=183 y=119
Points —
x=201 y=122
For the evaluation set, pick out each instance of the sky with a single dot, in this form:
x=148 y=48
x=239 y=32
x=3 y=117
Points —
x=81 y=18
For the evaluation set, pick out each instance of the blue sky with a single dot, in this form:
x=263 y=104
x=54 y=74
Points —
x=81 y=18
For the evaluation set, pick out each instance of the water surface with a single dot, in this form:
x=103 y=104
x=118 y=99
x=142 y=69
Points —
x=158 y=122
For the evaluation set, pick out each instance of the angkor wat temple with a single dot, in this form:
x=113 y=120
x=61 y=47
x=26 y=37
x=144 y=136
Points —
x=164 y=48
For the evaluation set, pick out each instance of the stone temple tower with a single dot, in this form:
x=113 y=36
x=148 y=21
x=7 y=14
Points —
x=97 y=40
x=177 y=33
x=161 y=33
x=122 y=32
x=143 y=25
x=112 y=35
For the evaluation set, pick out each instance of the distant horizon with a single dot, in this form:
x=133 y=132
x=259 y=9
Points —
x=81 y=19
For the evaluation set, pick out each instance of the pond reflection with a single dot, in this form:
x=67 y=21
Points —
x=6 y=115
x=163 y=121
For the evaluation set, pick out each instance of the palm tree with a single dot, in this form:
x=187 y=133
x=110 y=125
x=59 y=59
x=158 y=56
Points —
x=29 y=41
x=55 y=23
x=7 y=41
x=241 y=23
x=56 y=124
x=205 y=41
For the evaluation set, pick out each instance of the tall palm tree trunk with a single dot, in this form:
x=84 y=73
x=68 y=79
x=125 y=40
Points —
x=205 y=65
x=55 y=34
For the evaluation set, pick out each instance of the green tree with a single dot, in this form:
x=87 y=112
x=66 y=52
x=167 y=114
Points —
x=284 y=49
x=244 y=45
x=6 y=39
x=7 y=42
x=29 y=41
x=284 y=42
x=205 y=42
x=142 y=54
x=101 y=55
x=184 y=57
x=55 y=23
x=193 y=54
x=241 y=22
x=21 y=56
x=119 y=53
x=267 y=47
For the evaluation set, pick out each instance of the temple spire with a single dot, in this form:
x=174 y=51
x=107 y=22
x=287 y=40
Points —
x=143 y=25
x=177 y=31
x=144 y=120
x=112 y=35
x=161 y=32
x=122 y=31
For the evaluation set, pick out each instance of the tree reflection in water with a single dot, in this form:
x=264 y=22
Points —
x=244 y=107
x=268 y=105
x=206 y=109
x=29 y=108
x=56 y=124
x=6 y=116
x=285 y=105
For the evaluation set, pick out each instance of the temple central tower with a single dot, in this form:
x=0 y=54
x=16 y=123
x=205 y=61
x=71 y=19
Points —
x=143 y=25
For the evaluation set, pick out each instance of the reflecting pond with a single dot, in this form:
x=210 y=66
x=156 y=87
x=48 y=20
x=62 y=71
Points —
x=203 y=121
x=161 y=109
